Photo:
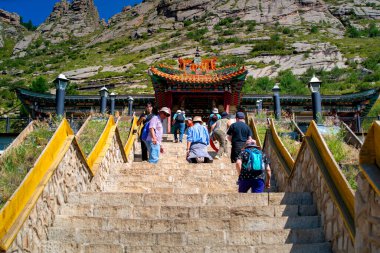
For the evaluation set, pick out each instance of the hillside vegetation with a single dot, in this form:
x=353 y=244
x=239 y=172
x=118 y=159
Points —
x=287 y=45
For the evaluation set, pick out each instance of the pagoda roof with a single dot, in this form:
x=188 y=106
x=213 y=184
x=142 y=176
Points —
x=216 y=76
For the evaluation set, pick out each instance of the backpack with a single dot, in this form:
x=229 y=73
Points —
x=145 y=132
x=255 y=161
x=180 y=118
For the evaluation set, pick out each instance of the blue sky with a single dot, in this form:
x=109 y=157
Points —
x=39 y=10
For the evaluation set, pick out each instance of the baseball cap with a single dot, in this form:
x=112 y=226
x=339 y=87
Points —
x=240 y=115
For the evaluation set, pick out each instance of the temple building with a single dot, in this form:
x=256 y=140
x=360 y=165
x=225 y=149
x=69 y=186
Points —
x=198 y=85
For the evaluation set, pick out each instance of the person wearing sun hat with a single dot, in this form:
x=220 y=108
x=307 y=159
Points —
x=253 y=174
x=197 y=141
x=238 y=133
x=214 y=116
x=156 y=131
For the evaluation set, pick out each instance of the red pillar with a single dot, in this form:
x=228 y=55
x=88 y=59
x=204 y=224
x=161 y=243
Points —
x=227 y=101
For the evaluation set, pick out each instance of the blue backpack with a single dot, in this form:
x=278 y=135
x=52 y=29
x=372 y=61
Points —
x=145 y=132
x=255 y=161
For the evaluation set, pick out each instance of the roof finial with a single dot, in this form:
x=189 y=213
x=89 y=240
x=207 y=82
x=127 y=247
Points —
x=197 y=52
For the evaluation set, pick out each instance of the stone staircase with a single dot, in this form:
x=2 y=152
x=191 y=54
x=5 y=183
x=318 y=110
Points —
x=179 y=207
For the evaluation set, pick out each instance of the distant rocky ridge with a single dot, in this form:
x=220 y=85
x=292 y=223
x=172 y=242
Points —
x=76 y=19
x=153 y=19
x=10 y=26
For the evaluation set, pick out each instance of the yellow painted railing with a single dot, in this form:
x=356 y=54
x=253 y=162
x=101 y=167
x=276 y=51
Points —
x=340 y=190
x=284 y=152
x=252 y=125
x=18 y=207
x=21 y=203
x=131 y=137
x=100 y=147
x=369 y=158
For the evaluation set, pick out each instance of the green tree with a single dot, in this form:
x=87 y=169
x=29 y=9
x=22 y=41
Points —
x=39 y=85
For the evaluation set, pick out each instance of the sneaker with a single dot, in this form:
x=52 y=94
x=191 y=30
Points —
x=217 y=157
x=175 y=141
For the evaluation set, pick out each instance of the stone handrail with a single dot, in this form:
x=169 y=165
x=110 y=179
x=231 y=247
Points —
x=21 y=137
x=254 y=131
x=315 y=170
x=99 y=148
x=21 y=203
x=131 y=136
x=350 y=137
x=49 y=167
x=367 y=205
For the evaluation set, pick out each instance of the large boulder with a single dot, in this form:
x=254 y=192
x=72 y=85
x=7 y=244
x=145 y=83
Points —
x=78 y=18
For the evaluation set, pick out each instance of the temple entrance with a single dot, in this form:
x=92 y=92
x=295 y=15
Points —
x=198 y=104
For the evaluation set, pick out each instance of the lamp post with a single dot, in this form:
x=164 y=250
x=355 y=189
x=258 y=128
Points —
x=259 y=105
x=315 y=86
x=103 y=92
x=60 y=84
x=276 y=99
x=358 y=122
x=112 y=97
x=130 y=103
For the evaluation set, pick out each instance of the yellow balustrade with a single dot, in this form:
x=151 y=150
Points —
x=101 y=146
x=22 y=202
x=340 y=190
x=369 y=158
x=252 y=125
x=131 y=137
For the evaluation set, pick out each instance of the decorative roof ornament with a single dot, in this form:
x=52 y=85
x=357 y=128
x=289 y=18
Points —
x=197 y=52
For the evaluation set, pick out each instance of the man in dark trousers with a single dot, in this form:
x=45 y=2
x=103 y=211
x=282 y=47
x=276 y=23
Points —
x=238 y=134
x=144 y=119
x=253 y=169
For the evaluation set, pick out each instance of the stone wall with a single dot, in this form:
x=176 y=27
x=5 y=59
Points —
x=307 y=176
x=367 y=220
x=71 y=175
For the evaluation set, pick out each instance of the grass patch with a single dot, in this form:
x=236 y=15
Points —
x=345 y=155
x=15 y=164
x=261 y=128
x=91 y=134
x=124 y=126
x=288 y=137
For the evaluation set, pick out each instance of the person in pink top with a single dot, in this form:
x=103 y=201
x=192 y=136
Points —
x=154 y=138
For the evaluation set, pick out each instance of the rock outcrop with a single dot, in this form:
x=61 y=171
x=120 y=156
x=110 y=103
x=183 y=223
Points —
x=10 y=27
x=9 y=18
x=77 y=19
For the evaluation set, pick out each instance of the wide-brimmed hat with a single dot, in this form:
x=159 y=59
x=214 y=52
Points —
x=178 y=111
x=251 y=144
x=240 y=115
x=224 y=114
x=165 y=110
x=215 y=110
x=197 y=119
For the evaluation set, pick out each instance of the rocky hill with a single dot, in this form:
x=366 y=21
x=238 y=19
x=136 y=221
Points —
x=337 y=39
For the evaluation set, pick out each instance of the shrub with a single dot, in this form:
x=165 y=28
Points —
x=314 y=29
x=39 y=85
x=187 y=23
x=197 y=35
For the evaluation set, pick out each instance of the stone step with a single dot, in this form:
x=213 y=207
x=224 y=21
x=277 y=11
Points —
x=164 y=165
x=187 y=225
x=158 y=180
x=230 y=199
x=172 y=190
x=66 y=247
x=178 y=212
x=195 y=238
